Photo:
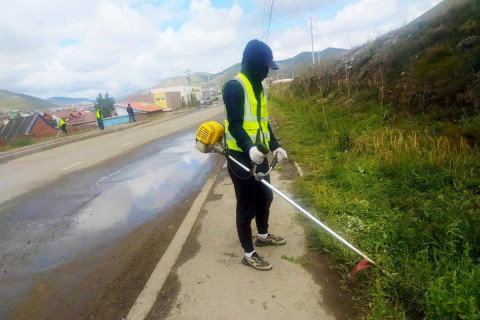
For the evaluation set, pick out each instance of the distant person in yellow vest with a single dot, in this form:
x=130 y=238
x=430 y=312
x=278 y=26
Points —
x=243 y=97
x=99 y=119
x=62 y=125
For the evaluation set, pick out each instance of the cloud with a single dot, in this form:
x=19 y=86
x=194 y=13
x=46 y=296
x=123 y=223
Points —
x=355 y=24
x=79 y=48
x=119 y=46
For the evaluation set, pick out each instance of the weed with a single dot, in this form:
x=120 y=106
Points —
x=295 y=260
x=404 y=190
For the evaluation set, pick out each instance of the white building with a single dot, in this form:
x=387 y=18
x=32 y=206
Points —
x=186 y=92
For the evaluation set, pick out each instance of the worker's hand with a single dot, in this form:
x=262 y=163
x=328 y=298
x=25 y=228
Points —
x=280 y=153
x=256 y=155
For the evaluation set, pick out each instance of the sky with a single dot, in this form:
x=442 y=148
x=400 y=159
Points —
x=80 y=48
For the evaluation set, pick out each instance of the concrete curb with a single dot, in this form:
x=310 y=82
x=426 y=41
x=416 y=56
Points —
x=148 y=296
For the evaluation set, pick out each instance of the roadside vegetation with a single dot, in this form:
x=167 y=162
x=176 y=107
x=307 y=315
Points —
x=395 y=169
x=24 y=141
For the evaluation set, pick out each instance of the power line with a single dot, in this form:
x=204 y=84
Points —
x=300 y=15
x=311 y=36
x=274 y=13
x=269 y=19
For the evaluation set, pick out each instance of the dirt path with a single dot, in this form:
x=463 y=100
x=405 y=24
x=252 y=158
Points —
x=209 y=282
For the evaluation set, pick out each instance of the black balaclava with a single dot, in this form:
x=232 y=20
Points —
x=254 y=62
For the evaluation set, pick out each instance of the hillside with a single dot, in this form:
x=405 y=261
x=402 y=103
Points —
x=16 y=101
x=431 y=63
x=388 y=139
x=287 y=67
x=68 y=101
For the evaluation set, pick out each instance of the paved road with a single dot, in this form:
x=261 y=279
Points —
x=85 y=225
x=59 y=226
x=32 y=171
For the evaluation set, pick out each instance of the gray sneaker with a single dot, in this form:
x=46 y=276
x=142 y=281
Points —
x=271 y=240
x=257 y=262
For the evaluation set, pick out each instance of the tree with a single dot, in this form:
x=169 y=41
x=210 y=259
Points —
x=106 y=104
x=193 y=100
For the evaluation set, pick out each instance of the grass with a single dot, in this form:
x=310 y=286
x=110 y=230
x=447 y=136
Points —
x=295 y=260
x=27 y=140
x=403 y=189
x=22 y=142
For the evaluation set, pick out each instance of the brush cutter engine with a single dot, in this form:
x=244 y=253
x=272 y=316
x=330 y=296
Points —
x=209 y=138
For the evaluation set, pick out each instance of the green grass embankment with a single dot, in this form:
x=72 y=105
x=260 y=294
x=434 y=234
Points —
x=404 y=189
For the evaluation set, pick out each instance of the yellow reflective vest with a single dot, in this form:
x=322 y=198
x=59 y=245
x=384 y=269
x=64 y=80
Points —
x=99 y=115
x=61 y=122
x=251 y=123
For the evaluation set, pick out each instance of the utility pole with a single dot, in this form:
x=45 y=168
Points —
x=188 y=75
x=311 y=35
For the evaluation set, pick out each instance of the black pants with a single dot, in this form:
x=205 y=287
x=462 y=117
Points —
x=100 y=123
x=131 y=117
x=64 y=128
x=253 y=199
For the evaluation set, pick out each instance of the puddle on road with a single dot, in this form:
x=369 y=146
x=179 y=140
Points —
x=94 y=207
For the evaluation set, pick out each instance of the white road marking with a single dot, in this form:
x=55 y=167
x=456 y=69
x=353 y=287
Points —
x=125 y=144
x=73 y=165
x=154 y=132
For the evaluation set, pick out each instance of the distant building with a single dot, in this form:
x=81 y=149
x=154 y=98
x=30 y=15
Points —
x=274 y=82
x=138 y=107
x=34 y=126
x=144 y=97
x=171 y=100
x=3 y=119
x=188 y=94
x=13 y=115
x=75 y=117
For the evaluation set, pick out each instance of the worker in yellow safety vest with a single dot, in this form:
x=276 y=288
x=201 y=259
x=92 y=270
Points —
x=99 y=119
x=62 y=125
x=246 y=125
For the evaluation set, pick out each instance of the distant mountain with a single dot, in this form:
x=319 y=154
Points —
x=17 y=101
x=68 y=101
x=287 y=67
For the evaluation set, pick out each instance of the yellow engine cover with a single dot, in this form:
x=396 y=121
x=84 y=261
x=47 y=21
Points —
x=210 y=132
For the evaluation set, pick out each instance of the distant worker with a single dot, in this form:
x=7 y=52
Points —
x=246 y=122
x=100 y=119
x=131 y=115
x=62 y=125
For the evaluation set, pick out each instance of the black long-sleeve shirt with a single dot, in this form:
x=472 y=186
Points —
x=234 y=99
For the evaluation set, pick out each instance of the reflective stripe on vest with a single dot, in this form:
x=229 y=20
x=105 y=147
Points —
x=250 y=121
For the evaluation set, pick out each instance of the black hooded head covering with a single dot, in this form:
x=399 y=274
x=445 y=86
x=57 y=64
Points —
x=256 y=61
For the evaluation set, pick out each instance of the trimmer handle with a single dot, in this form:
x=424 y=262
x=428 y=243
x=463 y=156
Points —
x=274 y=162
x=262 y=147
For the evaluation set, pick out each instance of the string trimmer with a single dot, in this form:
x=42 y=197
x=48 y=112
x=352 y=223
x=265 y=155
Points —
x=209 y=140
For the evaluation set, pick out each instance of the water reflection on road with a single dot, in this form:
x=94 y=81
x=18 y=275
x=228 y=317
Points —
x=47 y=228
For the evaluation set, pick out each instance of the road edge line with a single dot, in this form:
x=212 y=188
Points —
x=148 y=296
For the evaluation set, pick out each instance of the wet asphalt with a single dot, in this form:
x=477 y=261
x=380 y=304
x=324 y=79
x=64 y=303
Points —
x=62 y=221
